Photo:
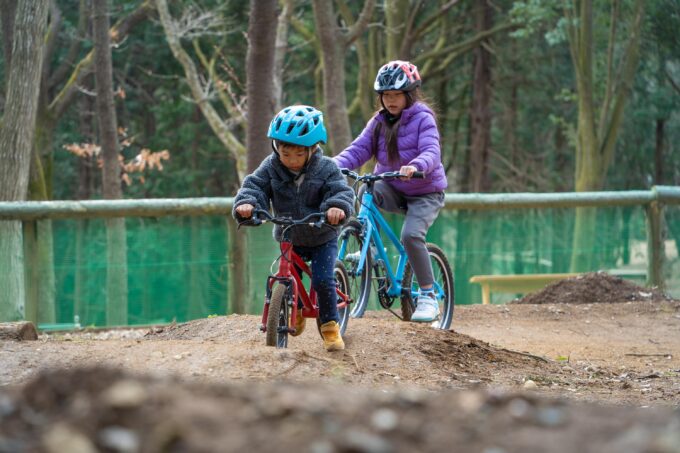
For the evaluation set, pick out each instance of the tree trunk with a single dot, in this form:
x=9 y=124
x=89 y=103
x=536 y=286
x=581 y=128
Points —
x=16 y=139
x=395 y=22
x=480 y=116
x=116 y=276
x=658 y=151
x=333 y=45
x=596 y=142
x=281 y=49
x=86 y=188
x=8 y=9
x=260 y=71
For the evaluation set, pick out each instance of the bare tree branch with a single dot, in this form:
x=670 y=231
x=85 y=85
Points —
x=50 y=39
x=430 y=20
x=361 y=24
x=198 y=90
x=66 y=64
x=118 y=32
x=675 y=85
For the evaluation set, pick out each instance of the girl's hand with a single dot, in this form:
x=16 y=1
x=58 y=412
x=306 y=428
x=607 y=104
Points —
x=335 y=215
x=407 y=171
x=245 y=210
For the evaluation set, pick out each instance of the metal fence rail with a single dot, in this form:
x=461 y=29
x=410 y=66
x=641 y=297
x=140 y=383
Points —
x=653 y=201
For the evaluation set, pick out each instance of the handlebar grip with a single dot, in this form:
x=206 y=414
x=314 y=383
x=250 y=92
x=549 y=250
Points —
x=418 y=175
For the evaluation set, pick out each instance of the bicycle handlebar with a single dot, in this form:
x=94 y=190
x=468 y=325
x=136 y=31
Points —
x=261 y=216
x=378 y=177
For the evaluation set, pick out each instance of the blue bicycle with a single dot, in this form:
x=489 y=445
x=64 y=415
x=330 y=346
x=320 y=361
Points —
x=364 y=255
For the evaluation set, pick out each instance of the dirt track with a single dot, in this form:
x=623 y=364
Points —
x=624 y=353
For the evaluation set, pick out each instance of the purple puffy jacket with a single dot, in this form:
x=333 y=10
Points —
x=418 y=144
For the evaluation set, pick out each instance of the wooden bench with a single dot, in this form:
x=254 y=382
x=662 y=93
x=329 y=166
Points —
x=521 y=283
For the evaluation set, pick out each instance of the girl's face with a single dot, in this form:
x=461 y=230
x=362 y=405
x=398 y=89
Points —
x=394 y=101
x=293 y=157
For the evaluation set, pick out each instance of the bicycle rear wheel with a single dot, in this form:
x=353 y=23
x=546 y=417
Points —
x=443 y=285
x=359 y=282
x=277 y=318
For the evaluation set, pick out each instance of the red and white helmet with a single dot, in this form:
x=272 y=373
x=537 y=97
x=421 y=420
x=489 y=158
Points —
x=397 y=75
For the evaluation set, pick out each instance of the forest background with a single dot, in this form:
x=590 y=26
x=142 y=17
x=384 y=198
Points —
x=531 y=96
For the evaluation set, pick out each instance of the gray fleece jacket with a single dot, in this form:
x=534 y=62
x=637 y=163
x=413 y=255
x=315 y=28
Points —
x=322 y=187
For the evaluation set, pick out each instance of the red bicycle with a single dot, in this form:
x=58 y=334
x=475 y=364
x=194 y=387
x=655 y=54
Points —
x=285 y=286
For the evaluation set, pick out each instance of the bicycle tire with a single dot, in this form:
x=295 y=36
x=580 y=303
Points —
x=278 y=316
x=359 y=285
x=342 y=280
x=443 y=276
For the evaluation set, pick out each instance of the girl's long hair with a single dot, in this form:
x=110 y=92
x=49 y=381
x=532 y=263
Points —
x=392 y=130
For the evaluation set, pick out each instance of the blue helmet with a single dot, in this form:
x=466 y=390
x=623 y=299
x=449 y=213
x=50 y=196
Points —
x=298 y=125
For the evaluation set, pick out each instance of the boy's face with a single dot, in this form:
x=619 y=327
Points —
x=293 y=157
x=394 y=101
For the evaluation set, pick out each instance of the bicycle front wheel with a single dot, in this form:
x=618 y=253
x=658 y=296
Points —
x=277 y=318
x=342 y=280
x=359 y=280
x=443 y=287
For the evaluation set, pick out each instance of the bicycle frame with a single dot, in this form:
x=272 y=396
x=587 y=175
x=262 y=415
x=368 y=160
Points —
x=372 y=220
x=287 y=274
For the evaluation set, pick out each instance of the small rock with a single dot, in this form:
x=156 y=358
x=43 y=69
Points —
x=519 y=407
x=63 y=437
x=362 y=441
x=125 y=394
x=551 y=416
x=322 y=446
x=530 y=385
x=120 y=439
x=384 y=419
x=7 y=406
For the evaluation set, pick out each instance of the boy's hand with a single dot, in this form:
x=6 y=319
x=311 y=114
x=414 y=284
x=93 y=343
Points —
x=407 y=171
x=245 y=210
x=335 y=215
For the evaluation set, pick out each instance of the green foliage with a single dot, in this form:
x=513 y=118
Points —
x=533 y=105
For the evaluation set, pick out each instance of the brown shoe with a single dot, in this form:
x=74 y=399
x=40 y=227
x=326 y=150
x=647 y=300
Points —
x=300 y=322
x=332 y=340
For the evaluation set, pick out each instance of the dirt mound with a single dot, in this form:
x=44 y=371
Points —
x=593 y=288
x=380 y=350
x=109 y=410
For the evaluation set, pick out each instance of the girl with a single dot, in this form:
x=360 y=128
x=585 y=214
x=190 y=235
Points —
x=403 y=137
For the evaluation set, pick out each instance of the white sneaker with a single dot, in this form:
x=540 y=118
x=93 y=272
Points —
x=427 y=309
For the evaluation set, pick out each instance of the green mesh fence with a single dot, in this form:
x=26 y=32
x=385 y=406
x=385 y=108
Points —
x=178 y=267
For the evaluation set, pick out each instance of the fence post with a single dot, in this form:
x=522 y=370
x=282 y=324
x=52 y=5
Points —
x=238 y=261
x=655 y=245
x=31 y=270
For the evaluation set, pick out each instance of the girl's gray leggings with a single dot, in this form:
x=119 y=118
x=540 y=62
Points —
x=421 y=212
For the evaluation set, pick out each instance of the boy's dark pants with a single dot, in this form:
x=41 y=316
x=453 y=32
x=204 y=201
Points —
x=323 y=280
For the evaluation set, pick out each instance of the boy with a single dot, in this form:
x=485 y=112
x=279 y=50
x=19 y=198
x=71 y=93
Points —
x=297 y=180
